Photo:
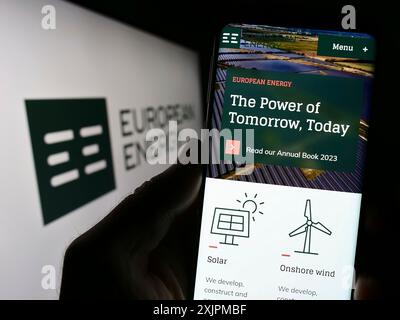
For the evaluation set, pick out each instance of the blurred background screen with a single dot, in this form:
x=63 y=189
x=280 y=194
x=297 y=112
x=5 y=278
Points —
x=76 y=103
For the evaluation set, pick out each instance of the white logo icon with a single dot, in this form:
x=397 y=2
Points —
x=231 y=38
x=64 y=156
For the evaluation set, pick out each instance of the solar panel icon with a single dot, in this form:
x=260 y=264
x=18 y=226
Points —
x=231 y=223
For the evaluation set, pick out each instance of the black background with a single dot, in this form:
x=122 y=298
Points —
x=194 y=24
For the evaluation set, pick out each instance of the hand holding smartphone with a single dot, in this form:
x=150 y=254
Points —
x=282 y=203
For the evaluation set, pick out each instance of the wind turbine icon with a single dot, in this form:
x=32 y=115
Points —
x=307 y=228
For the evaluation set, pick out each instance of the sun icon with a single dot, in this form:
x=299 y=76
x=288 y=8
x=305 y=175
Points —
x=251 y=205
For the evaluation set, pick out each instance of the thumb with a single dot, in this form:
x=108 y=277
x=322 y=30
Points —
x=147 y=213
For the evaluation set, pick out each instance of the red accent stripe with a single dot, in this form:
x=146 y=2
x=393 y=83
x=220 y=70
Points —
x=214 y=247
x=285 y=255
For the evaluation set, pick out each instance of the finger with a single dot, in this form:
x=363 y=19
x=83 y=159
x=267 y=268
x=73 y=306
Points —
x=367 y=288
x=147 y=213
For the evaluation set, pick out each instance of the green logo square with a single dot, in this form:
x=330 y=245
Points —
x=230 y=37
x=72 y=153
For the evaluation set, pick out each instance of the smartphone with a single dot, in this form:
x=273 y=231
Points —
x=282 y=201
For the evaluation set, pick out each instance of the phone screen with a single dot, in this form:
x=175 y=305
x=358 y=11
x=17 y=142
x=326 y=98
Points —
x=282 y=203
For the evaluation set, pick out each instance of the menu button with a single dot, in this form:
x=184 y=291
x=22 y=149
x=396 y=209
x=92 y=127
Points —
x=341 y=47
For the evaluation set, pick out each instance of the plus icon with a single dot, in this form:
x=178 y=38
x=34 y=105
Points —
x=365 y=49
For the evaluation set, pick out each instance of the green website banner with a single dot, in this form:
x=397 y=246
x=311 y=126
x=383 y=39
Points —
x=306 y=121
